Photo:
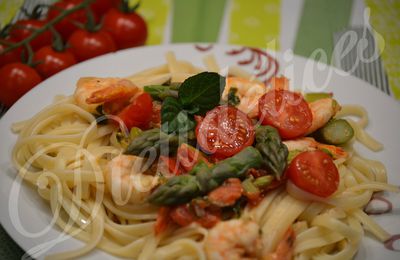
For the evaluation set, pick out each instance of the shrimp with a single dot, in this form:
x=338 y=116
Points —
x=249 y=92
x=284 y=250
x=125 y=181
x=233 y=239
x=322 y=110
x=91 y=91
x=309 y=144
x=241 y=239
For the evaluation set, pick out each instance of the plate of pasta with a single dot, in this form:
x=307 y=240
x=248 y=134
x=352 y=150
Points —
x=202 y=152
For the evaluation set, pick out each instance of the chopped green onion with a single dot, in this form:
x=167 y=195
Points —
x=314 y=96
x=263 y=181
x=249 y=187
x=135 y=131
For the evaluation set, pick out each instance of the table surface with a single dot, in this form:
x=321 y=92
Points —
x=301 y=26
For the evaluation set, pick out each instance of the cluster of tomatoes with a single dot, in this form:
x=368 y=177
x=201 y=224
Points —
x=106 y=26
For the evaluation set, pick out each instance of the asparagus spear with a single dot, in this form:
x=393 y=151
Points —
x=153 y=142
x=273 y=151
x=201 y=180
x=336 y=132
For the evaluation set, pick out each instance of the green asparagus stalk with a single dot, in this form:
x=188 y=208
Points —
x=202 y=179
x=154 y=142
x=273 y=151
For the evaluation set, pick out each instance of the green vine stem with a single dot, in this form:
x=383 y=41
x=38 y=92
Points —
x=125 y=7
x=57 y=43
x=57 y=19
x=29 y=57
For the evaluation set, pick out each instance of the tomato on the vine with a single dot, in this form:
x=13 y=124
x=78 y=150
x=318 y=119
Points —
x=24 y=28
x=51 y=61
x=10 y=56
x=100 y=7
x=85 y=45
x=285 y=110
x=314 y=172
x=126 y=26
x=67 y=25
x=224 y=131
x=16 y=79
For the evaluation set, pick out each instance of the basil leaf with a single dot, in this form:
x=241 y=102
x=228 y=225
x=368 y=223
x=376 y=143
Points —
x=160 y=92
x=174 y=118
x=202 y=91
x=233 y=100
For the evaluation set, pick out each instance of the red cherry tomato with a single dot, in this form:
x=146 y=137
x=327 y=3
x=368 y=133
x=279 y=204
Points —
x=11 y=56
x=127 y=29
x=314 y=172
x=138 y=113
x=85 y=45
x=225 y=131
x=66 y=26
x=24 y=28
x=287 y=111
x=100 y=7
x=16 y=79
x=51 y=61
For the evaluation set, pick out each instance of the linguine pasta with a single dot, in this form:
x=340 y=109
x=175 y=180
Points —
x=63 y=153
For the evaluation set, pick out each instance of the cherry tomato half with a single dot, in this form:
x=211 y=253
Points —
x=16 y=79
x=11 y=56
x=138 y=113
x=285 y=110
x=24 y=28
x=314 y=172
x=85 y=45
x=224 y=131
x=66 y=26
x=127 y=29
x=51 y=61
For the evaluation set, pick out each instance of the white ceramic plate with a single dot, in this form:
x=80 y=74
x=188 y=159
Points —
x=22 y=207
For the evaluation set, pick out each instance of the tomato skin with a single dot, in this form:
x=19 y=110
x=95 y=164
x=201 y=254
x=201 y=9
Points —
x=52 y=61
x=314 y=172
x=162 y=221
x=182 y=215
x=16 y=79
x=138 y=113
x=188 y=156
x=287 y=111
x=23 y=29
x=227 y=194
x=66 y=26
x=100 y=7
x=127 y=29
x=172 y=165
x=85 y=45
x=11 y=56
x=224 y=131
